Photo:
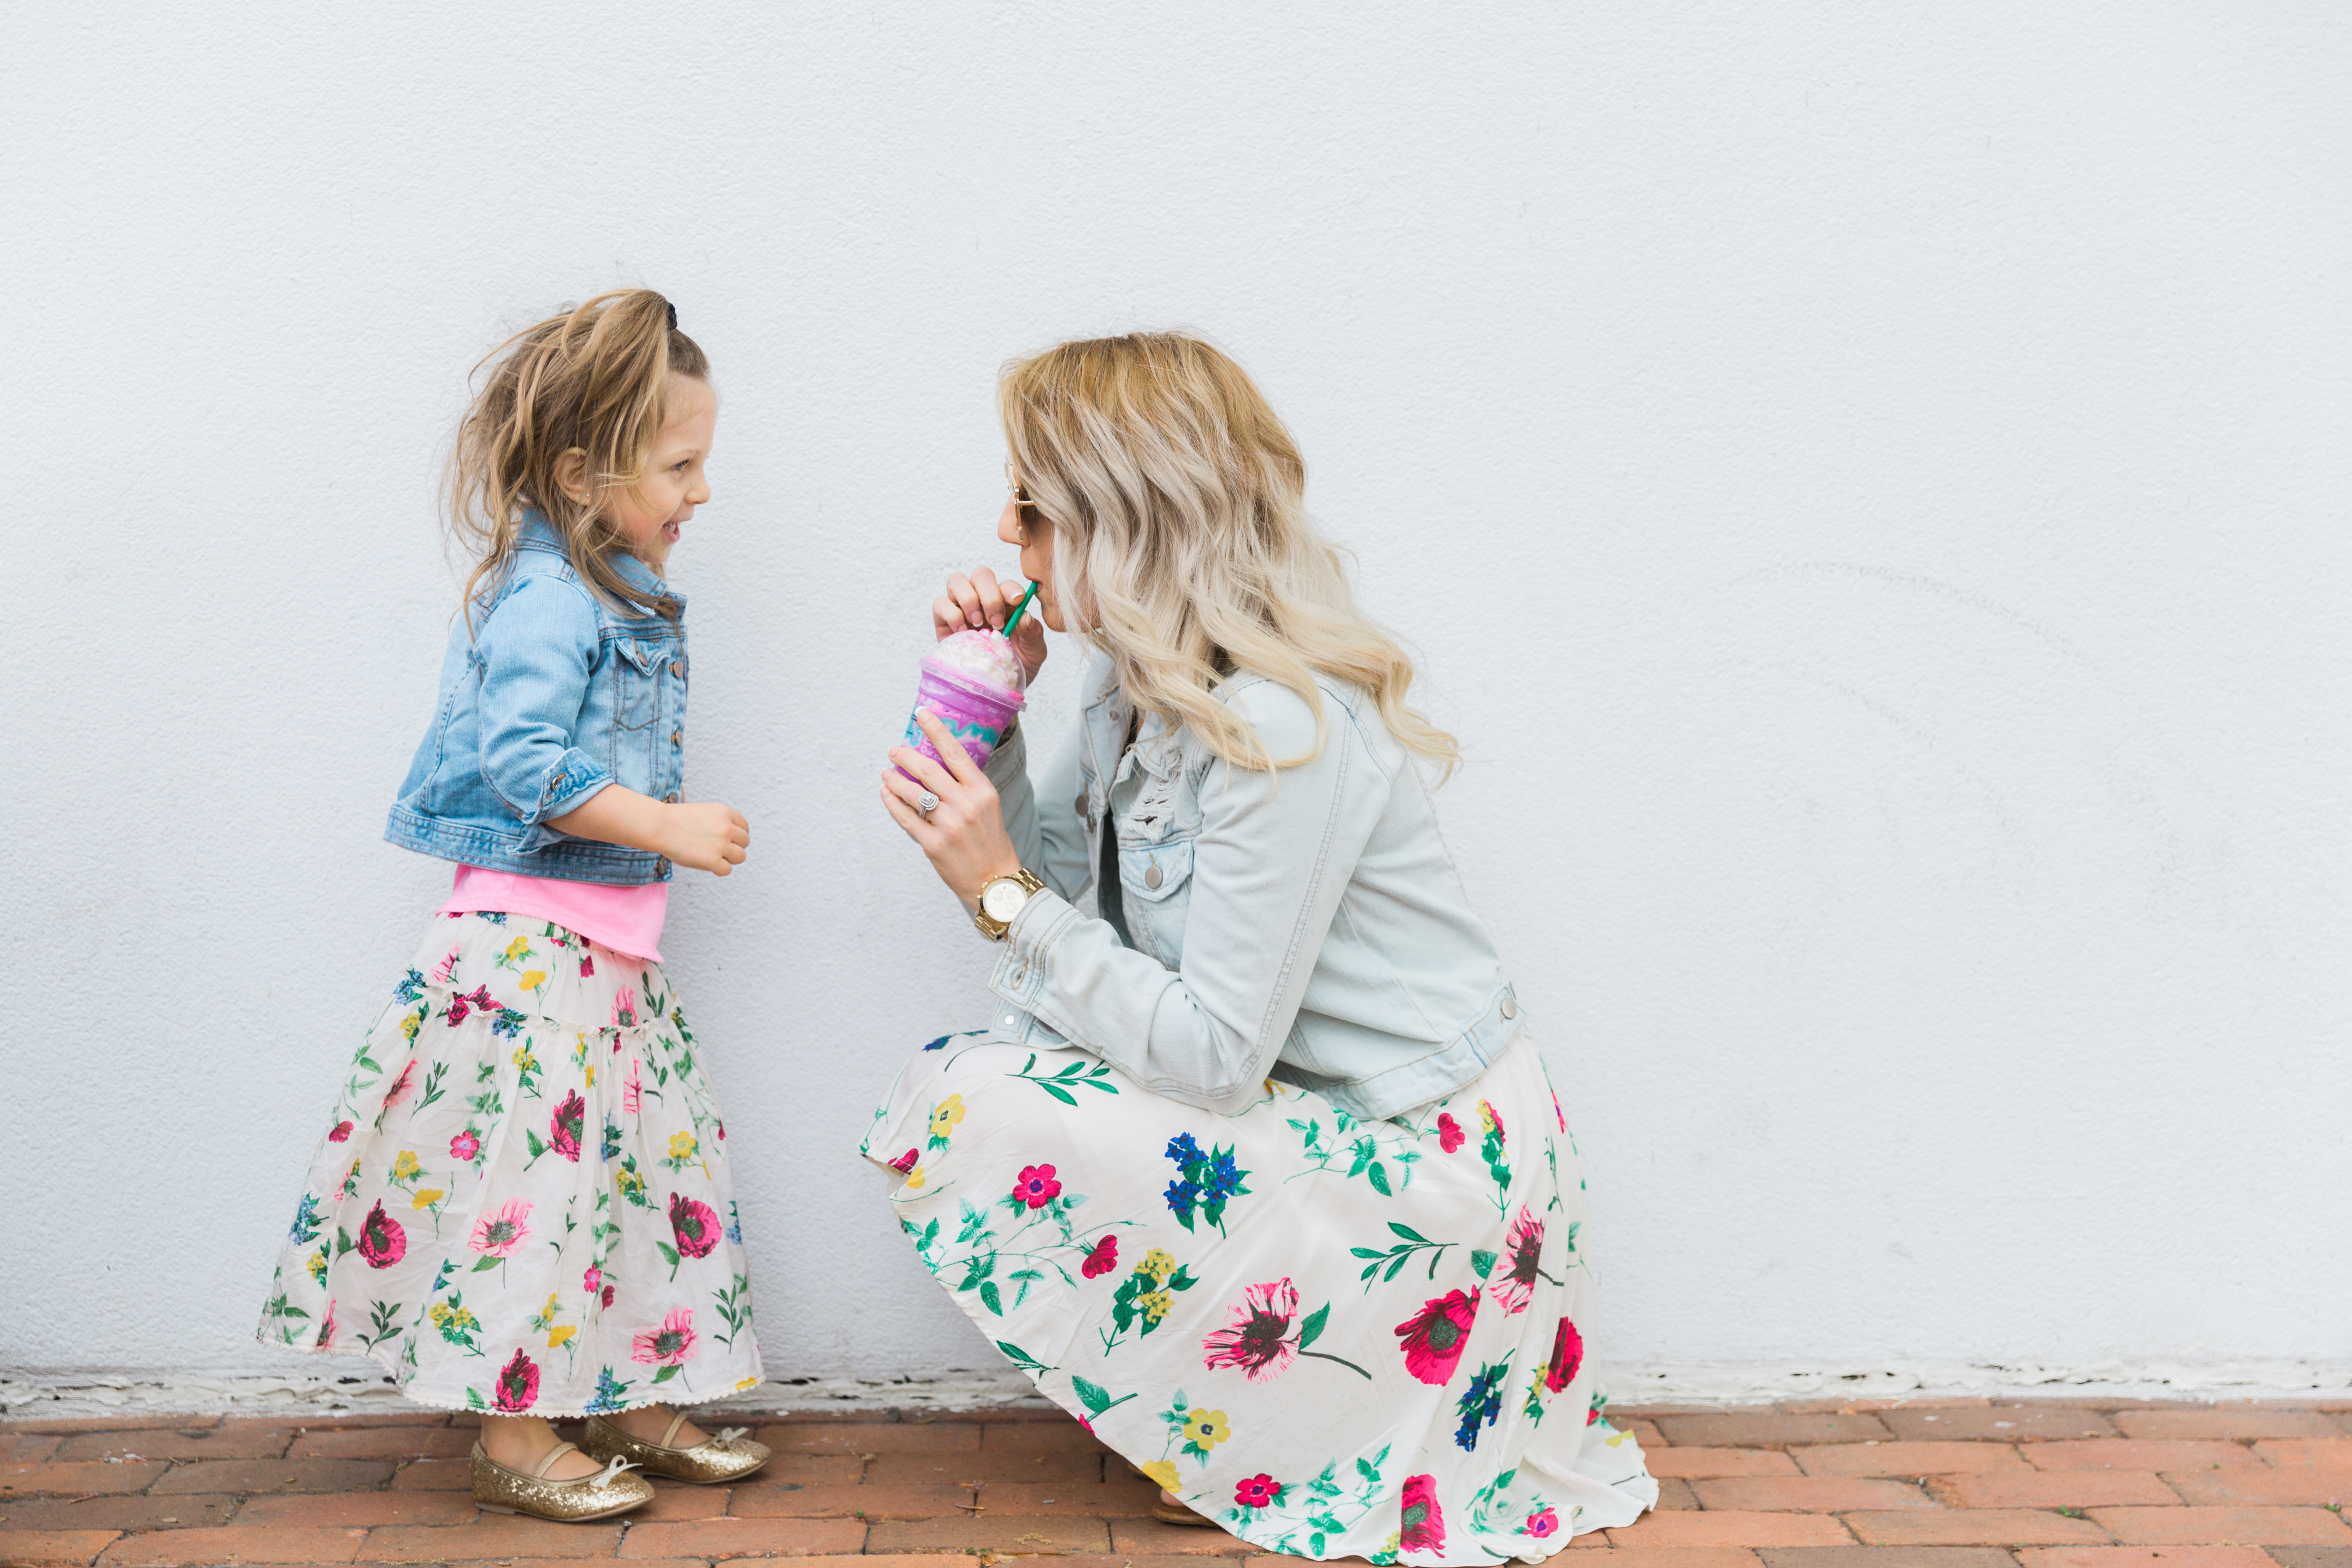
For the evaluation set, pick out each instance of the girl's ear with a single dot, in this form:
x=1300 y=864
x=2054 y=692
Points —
x=571 y=474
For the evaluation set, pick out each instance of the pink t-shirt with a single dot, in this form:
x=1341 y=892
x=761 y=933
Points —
x=626 y=919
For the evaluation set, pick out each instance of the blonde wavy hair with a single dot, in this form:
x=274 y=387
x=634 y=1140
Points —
x=1181 y=538
x=594 y=377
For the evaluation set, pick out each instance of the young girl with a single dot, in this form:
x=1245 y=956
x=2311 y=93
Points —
x=520 y=1206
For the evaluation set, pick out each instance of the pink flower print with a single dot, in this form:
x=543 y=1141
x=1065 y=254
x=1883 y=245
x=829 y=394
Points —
x=1557 y=1113
x=722 y=1128
x=1258 y=1491
x=694 y=1224
x=1523 y=1252
x=906 y=1162
x=1540 y=1523
x=592 y=1281
x=1434 y=1336
x=1449 y=1132
x=1259 y=1339
x=326 y=1329
x=343 y=1132
x=1567 y=1355
x=672 y=1344
x=447 y=971
x=624 y=1008
x=1493 y=1118
x=466 y=1145
x=382 y=1241
x=563 y=1129
x=1036 y=1186
x=1101 y=1260
x=587 y=965
x=502 y=1235
x=399 y=1089
x=632 y=1090
x=606 y=1299
x=518 y=1385
x=459 y=1006
x=1423 y=1521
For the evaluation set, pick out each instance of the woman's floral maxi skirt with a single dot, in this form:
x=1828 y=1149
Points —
x=1331 y=1336
x=521 y=1203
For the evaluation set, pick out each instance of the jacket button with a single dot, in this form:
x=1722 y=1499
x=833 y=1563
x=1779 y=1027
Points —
x=671 y=799
x=1082 y=806
x=1510 y=1007
x=677 y=666
x=661 y=867
x=1151 y=878
x=676 y=737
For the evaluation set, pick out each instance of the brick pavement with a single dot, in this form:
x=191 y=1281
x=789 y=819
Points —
x=1928 y=1484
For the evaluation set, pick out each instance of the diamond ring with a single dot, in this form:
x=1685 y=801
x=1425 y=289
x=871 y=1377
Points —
x=927 y=802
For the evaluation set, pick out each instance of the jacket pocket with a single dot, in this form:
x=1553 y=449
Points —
x=637 y=682
x=1154 y=873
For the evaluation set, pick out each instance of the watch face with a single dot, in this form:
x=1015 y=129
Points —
x=1002 y=899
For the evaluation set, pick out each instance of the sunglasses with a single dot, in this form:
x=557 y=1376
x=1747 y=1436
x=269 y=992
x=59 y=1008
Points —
x=1026 y=509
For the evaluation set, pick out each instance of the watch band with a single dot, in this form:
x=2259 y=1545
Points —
x=992 y=929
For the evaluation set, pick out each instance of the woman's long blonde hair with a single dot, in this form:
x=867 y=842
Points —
x=1180 y=538
x=596 y=378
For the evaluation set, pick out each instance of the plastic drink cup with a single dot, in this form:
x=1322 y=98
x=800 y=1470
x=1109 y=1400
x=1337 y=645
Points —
x=975 y=709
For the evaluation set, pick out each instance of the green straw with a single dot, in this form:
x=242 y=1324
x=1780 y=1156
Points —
x=1014 y=619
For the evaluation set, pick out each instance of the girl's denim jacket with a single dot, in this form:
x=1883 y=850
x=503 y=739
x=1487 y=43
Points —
x=1308 y=925
x=547 y=698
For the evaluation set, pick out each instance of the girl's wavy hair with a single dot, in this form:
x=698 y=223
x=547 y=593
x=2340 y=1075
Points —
x=596 y=378
x=1181 y=538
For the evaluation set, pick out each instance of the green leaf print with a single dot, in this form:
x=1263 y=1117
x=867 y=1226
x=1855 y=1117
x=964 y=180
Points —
x=1022 y=1358
x=665 y=1374
x=1378 y=1176
x=991 y=1297
x=1093 y=1396
x=1311 y=1329
x=1482 y=1261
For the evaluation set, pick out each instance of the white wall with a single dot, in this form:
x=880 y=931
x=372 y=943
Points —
x=1868 y=482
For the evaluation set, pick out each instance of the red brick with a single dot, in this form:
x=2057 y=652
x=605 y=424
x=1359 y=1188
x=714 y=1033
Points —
x=2145 y=1557
x=234 y=1543
x=1732 y=1529
x=76 y=1480
x=964 y=1469
x=2135 y=1455
x=2051 y=1488
x=364 y=1508
x=1039 y=1438
x=1633 y=1557
x=1911 y=1459
x=810 y=1470
x=2299 y=1484
x=676 y=1499
x=353 y=1420
x=1752 y=1428
x=1648 y=1412
x=217 y=1443
x=2327 y=1454
x=386 y=1442
x=1975 y=1527
x=1884 y=1557
x=1999 y=1423
x=494 y=1535
x=2226 y=1526
x=1675 y=1493
x=434 y=1475
x=2313 y=1556
x=724 y=1538
x=848 y=1502
x=28 y=1448
x=1009 y=1535
x=273 y=1475
x=114 y=1424
x=120 y=1513
x=1193 y=1542
x=1807 y=1494
x=52 y=1548
x=1124 y=1498
x=2229 y=1422
x=874 y=1438
x=1853 y=1406
x=1693 y=1464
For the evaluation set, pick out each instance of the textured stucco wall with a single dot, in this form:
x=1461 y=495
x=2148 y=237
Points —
x=1868 y=484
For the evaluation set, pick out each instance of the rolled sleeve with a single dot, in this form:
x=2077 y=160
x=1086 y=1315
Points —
x=537 y=651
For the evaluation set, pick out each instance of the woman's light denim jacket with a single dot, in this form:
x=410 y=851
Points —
x=548 y=697
x=1307 y=925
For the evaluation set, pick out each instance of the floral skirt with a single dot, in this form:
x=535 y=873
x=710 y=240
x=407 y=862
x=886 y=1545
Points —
x=1332 y=1336
x=522 y=1202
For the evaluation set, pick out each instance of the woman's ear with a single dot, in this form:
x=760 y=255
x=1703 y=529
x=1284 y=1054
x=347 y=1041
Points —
x=572 y=475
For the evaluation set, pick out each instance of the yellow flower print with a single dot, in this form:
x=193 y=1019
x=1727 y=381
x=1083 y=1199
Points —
x=682 y=1145
x=1204 y=1429
x=1162 y=1472
x=461 y=1319
x=408 y=1026
x=1156 y=1263
x=525 y=1060
x=1155 y=1304
x=747 y=1383
x=425 y=1197
x=557 y=1336
x=915 y=1178
x=318 y=1265
x=532 y=979
x=518 y=948
x=1486 y=1115
x=947 y=1115
x=592 y=1075
x=404 y=1167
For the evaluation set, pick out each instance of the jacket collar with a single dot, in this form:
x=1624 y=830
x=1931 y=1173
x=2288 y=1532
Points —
x=538 y=534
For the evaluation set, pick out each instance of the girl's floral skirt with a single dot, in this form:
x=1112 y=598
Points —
x=520 y=1203
x=1331 y=1336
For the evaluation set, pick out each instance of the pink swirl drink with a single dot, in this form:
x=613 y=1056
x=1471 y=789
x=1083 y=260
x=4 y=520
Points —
x=971 y=681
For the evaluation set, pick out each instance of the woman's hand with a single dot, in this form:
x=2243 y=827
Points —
x=964 y=834
x=979 y=600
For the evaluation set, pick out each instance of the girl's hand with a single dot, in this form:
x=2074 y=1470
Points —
x=705 y=835
x=979 y=600
x=964 y=835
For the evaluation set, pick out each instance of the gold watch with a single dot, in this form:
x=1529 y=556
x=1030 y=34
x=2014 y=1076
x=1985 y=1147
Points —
x=1001 y=899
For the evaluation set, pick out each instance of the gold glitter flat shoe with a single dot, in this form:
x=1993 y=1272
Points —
x=1168 y=1512
x=729 y=1456
x=498 y=1489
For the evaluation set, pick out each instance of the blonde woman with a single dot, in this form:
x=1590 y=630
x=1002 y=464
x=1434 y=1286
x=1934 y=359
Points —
x=1257 y=1170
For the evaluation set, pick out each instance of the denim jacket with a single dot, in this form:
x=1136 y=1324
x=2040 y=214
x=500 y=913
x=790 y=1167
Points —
x=1307 y=925
x=546 y=698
